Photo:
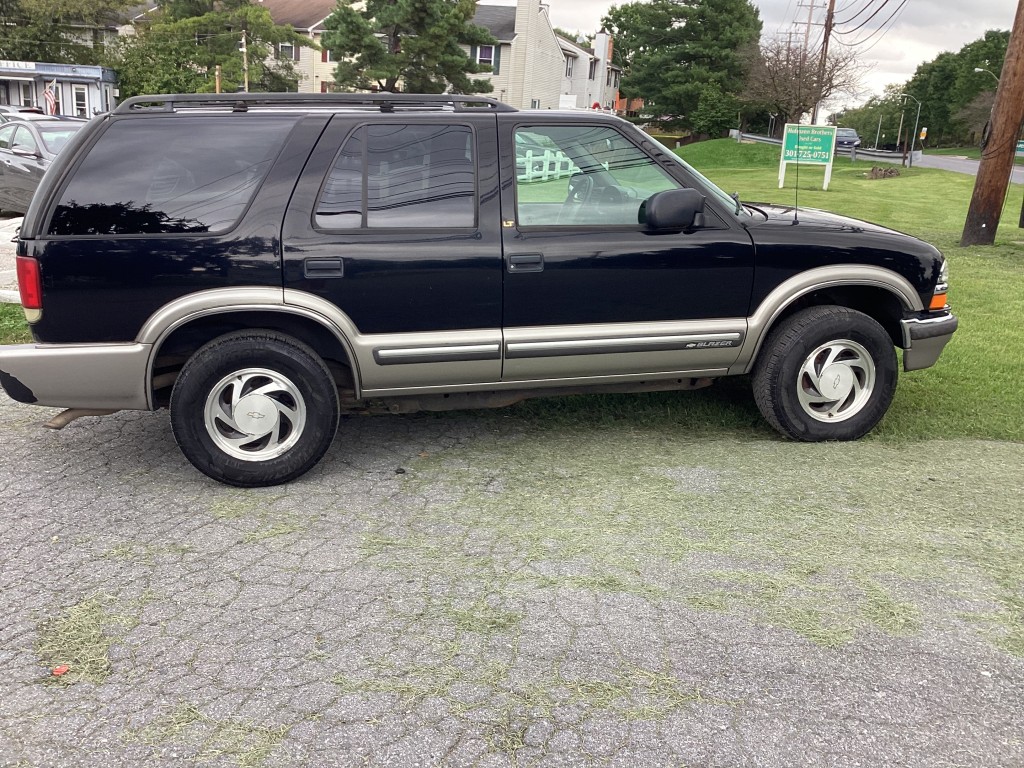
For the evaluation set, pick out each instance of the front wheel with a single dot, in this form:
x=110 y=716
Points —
x=254 y=408
x=826 y=373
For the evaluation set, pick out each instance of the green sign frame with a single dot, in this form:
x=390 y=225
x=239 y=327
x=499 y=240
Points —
x=808 y=145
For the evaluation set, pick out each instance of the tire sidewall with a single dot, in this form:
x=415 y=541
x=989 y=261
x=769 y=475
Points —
x=221 y=358
x=822 y=328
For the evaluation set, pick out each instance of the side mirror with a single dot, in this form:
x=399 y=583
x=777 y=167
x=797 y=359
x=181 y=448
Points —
x=674 y=209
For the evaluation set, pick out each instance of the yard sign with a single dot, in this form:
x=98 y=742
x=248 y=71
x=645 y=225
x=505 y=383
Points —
x=808 y=145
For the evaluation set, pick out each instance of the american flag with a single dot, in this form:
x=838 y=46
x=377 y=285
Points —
x=51 y=98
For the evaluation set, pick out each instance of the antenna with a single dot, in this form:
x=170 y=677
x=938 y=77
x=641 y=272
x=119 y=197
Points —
x=796 y=192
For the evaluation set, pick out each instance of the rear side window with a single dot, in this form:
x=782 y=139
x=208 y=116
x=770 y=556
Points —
x=401 y=176
x=166 y=175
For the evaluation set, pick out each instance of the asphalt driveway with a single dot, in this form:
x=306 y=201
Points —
x=486 y=589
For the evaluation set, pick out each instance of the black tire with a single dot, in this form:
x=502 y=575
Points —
x=826 y=373
x=285 y=425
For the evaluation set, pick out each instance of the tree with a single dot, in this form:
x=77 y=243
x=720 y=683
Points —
x=180 y=50
x=948 y=85
x=51 y=30
x=784 y=79
x=414 y=44
x=879 y=118
x=672 y=50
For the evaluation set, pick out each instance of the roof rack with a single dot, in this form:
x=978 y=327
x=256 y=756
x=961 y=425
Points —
x=241 y=102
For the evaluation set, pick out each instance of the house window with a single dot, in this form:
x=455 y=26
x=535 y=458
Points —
x=485 y=55
x=81 y=100
x=608 y=79
x=568 y=65
x=288 y=51
x=534 y=103
x=593 y=69
x=27 y=95
x=325 y=56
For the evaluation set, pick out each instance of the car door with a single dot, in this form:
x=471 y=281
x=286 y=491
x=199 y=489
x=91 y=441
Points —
x=395 y=221
x=589 y=290
x=6 y=161
x=25 y=168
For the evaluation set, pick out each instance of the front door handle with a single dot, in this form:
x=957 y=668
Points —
x=526 y=262
x=318 y=268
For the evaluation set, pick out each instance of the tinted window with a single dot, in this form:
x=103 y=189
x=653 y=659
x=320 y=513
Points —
x=170 y=175
x=6 y=134
x=415 y=176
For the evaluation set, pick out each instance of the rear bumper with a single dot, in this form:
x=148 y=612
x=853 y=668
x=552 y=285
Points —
x=925 y=338
x=110 y=376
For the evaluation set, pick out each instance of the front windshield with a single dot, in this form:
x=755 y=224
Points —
x=730 y=203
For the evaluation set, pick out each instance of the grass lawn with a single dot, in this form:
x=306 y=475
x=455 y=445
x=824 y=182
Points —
x=13 y=329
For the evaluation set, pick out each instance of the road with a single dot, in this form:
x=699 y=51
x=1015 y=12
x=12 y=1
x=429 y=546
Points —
x=8 y=274
x=497 y=590
x=963 y=165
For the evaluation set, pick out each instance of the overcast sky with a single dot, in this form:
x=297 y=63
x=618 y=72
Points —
x=919 y=32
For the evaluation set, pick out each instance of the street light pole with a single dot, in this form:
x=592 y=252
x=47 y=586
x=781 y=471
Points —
x=913 y=137
x=982 y=69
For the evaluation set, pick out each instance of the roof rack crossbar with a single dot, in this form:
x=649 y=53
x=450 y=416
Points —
x=240 y=102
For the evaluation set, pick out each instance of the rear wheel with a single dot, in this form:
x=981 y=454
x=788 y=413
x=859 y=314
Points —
x=254 y=408
x=826 y=373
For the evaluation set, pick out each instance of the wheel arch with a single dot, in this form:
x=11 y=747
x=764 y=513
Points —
x=879 y=293
x=179 y=329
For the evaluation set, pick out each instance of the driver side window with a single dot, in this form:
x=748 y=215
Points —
x=582 y=176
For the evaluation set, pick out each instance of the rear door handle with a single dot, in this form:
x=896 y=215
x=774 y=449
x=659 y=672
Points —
x=318 y=268
x=526 y=262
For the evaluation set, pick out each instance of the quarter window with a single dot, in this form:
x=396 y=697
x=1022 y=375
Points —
x=178 y=175
x=401 y=176
x=583 y=176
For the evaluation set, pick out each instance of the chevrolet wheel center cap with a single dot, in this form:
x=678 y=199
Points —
x=835 y=382
x=255 y=414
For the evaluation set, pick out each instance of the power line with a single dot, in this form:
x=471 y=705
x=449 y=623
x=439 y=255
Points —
x=868 y=19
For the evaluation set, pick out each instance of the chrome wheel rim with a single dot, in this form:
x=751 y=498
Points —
x=255 y=414
x=835 y=381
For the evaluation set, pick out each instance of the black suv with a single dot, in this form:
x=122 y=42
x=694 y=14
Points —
x=263 y=263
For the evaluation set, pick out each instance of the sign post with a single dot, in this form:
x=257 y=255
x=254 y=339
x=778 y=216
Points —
x=808 y=145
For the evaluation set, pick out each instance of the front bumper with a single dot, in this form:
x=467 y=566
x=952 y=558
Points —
x=100 y=376
x=925 y=338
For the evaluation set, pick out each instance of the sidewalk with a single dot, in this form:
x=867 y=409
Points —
x=8 y=275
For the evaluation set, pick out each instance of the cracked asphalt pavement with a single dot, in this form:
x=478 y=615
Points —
x=485 y=590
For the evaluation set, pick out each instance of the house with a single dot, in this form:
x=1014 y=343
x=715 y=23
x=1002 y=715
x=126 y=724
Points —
x=527 y=62
x=314 y=68
x=591 y=79
x=78 y=89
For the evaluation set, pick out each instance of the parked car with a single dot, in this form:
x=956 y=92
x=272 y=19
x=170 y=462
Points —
x=847 y=138
x=262 y=264
x=27 y=147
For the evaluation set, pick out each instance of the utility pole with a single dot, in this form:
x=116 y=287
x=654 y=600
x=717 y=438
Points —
x=245 y=62
x=829 y=21
x=217 y=77
x=811 y=8
x=997 y=155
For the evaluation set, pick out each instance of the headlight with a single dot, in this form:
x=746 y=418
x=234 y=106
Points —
x=941 y=287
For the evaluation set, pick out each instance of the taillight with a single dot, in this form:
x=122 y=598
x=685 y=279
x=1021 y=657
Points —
x=30 y=283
